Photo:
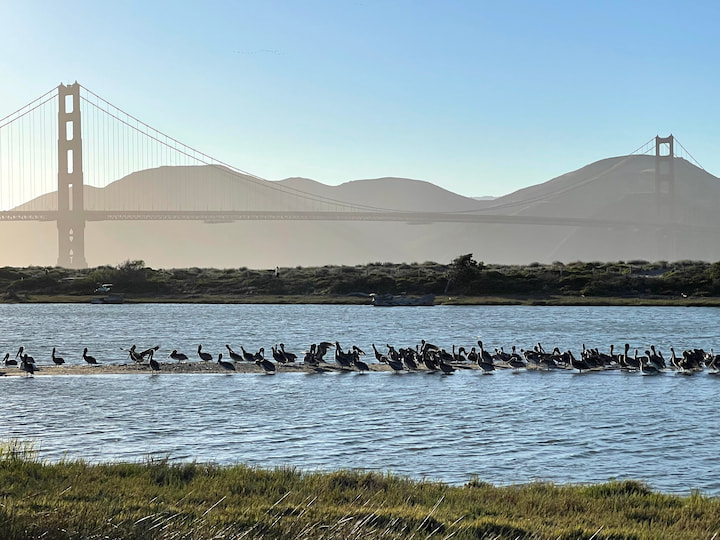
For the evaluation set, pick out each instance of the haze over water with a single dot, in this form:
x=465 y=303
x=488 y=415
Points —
x=505 y=428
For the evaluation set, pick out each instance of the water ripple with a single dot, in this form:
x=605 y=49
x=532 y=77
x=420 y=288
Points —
x=506 y=428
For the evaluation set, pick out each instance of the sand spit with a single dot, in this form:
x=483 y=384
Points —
x=167 y=368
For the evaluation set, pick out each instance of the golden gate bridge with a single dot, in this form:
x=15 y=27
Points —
x=61 y=154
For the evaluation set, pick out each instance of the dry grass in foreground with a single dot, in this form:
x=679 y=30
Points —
x=159 y=499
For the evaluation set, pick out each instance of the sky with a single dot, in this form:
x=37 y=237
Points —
x=479 y=97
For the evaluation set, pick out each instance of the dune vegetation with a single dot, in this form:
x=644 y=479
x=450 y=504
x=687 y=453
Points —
x=161 y=499
x=463 y=280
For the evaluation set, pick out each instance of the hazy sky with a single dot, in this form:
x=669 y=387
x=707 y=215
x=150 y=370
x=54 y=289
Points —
x=479 y=97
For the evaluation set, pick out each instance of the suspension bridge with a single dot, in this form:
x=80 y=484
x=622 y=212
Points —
x=62 y=154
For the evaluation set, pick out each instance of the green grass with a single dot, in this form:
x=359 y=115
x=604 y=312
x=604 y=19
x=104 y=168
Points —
x=161 y=499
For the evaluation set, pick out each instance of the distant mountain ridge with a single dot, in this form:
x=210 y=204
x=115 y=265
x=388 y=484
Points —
x=614 y=190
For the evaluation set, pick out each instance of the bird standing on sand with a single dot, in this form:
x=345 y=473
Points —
x=56 y=359
x=205 y=357
x=225 y=364
x=154 y=364
x=266 y=364
x=89 y=359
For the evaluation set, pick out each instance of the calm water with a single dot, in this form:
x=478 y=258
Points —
x=505 y=428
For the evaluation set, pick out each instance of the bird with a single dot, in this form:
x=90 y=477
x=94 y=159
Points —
x=484 y=361
x=235 y=357
x=445 y=366
x=225 y=364
x=56 y=359
x=149 y=352
x=247 y=356
x=89 y=359
x=646 y=366
x=134 y=355
x=267 y=365
x=204 y=356
x=278 y=356
x=27 y=367
x=290 y=357
x=9 y=361
x=343 y=358
x=177 y=356
x=22 y=351
x=359 y=364
x=154 y=364
x=580 y=365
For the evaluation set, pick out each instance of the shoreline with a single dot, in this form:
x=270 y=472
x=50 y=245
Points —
x=442 y=300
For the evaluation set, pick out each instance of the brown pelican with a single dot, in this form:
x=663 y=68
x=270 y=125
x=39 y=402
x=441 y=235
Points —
x=9 y=361
x=27 y=367
x=149 y=352
x=485 y=361
x=177 y=356
x=134 y=355
x=225 y=364
x=646 y=366
x=235 y=357
x=267 y=365
x=56 y=359
x=359 y=364
x=28 y=359
x=289 y=357
x=247 y=356
x=154 y=364
x=344 y=359
x=89 y=359
x=205 y=357
x=580 y=365
x=278 y=356
x=378 y=355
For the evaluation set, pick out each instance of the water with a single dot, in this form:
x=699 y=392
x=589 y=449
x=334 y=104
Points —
x=505 y=428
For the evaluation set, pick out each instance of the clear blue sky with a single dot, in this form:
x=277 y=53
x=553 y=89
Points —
x=479 y=97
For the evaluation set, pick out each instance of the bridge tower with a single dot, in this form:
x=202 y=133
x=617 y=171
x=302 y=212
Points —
x=71 y=207
x=665 y=196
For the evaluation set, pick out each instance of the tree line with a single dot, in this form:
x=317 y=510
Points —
x=463 y=276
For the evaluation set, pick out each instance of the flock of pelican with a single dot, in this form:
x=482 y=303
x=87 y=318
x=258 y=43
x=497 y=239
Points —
x=423 y=357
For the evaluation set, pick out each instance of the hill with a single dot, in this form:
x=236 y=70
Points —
x=631 y=220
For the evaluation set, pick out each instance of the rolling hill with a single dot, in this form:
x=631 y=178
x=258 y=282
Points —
x=631 y=220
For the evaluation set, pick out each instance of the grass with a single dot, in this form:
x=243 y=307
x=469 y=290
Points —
x=161 y=499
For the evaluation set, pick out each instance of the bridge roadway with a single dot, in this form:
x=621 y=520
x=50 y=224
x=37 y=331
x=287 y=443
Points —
x=227 y=216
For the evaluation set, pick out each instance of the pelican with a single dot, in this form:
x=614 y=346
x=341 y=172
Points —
x=646 y=366
x=9 y=361
x=267 y=365
x=344 y=359
x=235 y=357
x=247 y=356
x=205 y=357
x=225 y=364
x=177 y=356
x=580 y=365
x=27 y=367
x=289 y=357
x=134 y=355
x=359 y=364
x=484 y=361
x=28 y=359
x=56 y=359
x=154 y=364
x=278 y=356
x=89 y=359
